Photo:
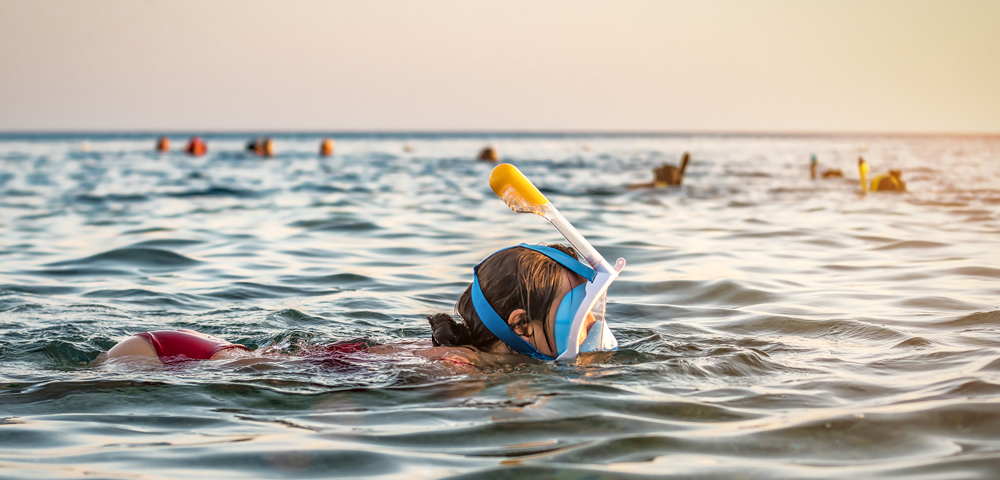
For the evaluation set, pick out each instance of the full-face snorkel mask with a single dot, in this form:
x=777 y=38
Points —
x=588 y=298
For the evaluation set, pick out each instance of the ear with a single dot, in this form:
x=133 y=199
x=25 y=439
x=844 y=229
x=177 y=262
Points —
x=524 y=330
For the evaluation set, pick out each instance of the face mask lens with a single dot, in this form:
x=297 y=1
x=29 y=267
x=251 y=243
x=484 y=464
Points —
x=599 y=308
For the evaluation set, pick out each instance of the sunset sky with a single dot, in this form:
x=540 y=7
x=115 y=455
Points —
x=512 y=65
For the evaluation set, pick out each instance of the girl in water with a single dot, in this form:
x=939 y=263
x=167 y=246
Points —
x=525 y=301
x=521 y=303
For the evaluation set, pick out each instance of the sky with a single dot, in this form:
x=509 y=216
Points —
x=907 y=66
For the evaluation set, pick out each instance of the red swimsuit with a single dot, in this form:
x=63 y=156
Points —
x=189 y=344
x=186 y=343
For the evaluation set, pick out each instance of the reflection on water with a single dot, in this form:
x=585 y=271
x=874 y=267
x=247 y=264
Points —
x=770 y=326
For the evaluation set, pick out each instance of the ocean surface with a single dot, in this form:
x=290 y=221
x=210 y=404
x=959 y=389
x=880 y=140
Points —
x=771 y=326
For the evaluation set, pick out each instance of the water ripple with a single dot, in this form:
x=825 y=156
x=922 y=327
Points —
x=770 y=326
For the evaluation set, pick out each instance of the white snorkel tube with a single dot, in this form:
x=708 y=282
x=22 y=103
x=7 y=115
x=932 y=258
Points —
x=522 y=197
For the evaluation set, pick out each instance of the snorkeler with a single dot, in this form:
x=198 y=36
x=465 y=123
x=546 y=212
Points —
x=522 y=300
x=892 y=181
x=533 y=300
x=488 y=154
x=829 y=173
x=666 y=175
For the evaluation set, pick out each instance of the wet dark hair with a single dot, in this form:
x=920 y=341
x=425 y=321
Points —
x=516 y=278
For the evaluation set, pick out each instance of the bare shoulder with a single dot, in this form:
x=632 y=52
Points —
x=133 y=352
x=132 y=346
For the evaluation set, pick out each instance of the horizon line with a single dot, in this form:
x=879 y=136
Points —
x=504 y=132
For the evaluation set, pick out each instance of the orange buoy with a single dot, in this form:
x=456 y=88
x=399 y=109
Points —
x=326 y=147
x=196 y=147
x=162 y=145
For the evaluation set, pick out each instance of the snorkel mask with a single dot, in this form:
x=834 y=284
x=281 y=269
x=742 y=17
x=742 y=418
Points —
x=588 y=298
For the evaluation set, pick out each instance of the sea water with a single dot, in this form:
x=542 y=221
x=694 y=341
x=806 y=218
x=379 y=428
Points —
x=770 y=326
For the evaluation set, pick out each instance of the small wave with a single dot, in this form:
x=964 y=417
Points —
x=138 y=257
x=978 y=319
x=343 y=280
x=324 y=188
x=147 y=230
x=250 y=290
x=938 y=303
x=914 y=342
x=985 y=272
x=715 y=293
x=166 y=242
x=37 y=289
x=114 y=197
x=147 y=297
x=841 y=329
x=336 y=224
x=294 y=317
x=216 y=191
x=911 y=244
x=79 y=272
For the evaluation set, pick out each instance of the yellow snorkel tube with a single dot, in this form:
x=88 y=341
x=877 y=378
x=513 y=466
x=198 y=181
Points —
x=522 y=197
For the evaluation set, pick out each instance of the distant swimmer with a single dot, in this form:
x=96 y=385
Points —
x=326 y=147
x=262 y=146
x=666 y=175
x=885 y=182
x=162 y=145
x=829 y=173
x=408 y=147
x=488 y=154
x=892 y=181
x=196 y=147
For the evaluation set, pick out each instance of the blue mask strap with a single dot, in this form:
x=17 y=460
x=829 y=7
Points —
x=496 y=324
x=564 y=315
x=567 y=261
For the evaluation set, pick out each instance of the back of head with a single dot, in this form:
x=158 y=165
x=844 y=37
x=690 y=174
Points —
x=488 y=154
x=511 y=279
